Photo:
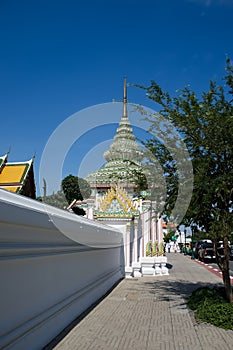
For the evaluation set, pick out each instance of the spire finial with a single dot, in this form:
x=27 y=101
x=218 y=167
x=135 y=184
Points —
x=125 y=99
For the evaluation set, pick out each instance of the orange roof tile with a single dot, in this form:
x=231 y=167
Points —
x=11 y=188
x=13 y=173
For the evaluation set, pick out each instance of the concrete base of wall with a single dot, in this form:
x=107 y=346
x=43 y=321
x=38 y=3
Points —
x=147 y=266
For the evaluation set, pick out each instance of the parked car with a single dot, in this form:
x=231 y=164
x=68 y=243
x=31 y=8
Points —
x=206 y=251
x=198 y=246
x=220 y=250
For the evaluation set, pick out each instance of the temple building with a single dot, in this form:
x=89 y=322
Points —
x=113 y=199
x=113 y=185
x=17 y=177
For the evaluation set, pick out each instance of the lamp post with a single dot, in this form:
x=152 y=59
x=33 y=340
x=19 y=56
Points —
x=185 y=251
x=180 y=244
x=192 y=228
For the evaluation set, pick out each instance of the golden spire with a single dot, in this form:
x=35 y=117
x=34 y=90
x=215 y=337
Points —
x=125 y=99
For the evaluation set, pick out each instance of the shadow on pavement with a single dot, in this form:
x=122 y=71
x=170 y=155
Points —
x=169 y=266
x=165 y=290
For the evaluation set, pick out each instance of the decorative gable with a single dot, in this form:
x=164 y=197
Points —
x=116 y=203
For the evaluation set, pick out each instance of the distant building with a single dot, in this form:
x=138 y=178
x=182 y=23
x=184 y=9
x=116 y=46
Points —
x=17 y=177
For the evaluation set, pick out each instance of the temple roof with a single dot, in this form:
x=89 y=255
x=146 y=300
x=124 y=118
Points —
x=123 y=155
x=3 y=160
x=13 y=175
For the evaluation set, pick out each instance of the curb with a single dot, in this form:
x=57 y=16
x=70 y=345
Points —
x=211 y=269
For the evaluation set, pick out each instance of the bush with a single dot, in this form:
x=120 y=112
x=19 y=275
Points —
x=220 y=315
x=210 y=305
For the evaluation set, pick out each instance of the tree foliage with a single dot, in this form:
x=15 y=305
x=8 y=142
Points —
x=132 y=173
x=75 y=187
x=162 y=180
x=168 y=236
x=57 y=200
x=205 y=125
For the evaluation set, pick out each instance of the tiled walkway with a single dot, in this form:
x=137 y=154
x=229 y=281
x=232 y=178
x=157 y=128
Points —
x=150 y=313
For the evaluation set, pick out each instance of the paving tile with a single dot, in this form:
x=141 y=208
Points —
x=150 y=313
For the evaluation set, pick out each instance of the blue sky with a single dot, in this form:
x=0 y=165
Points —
x=60 y=57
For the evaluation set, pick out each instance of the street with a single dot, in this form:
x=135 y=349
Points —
x=214 y=265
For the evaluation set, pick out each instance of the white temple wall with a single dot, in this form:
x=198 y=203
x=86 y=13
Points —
x=132 y=237
x=125 y=227
x=49 y=277
x=160 y=230
x=146 y=230
x=140 y=238
x=135 y=242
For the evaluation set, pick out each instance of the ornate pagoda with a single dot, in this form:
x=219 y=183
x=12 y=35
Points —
x=113 y=185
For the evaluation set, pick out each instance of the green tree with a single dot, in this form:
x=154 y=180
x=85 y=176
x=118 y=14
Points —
x=133 y=173
x=57 y=200
x=168 y=236
x=162 y=180
x=138 y=175
x=75 y=187
x=205 y=124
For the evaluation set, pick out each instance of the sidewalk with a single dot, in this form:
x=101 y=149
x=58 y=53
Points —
x=150 y=313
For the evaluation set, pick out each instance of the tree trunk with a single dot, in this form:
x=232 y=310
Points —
x=223 y=264
x=225 y=270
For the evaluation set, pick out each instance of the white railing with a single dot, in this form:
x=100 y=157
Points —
x=53 y=266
